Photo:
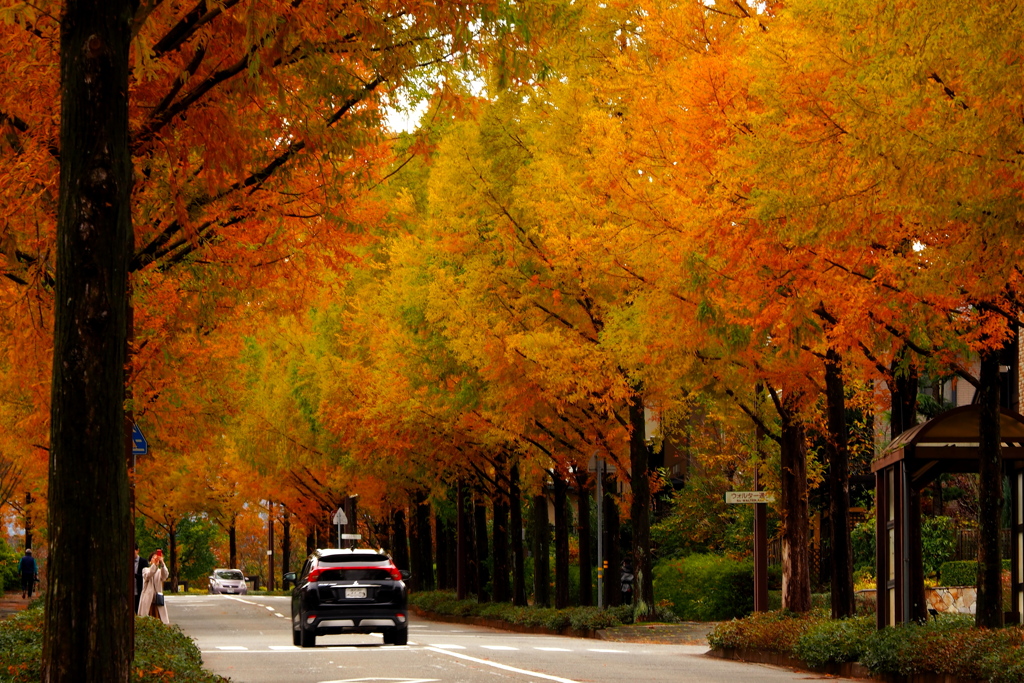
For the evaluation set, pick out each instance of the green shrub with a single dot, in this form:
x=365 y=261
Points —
x=21 y=646
x=834 y=641
x=9 y=559
x=706 y=587
x=161 y=652
x=937 y=543
x=819 y=601
x=777 y=631
x=949 y=645
x=583 y=618
x=962 y=572
x=160 y=648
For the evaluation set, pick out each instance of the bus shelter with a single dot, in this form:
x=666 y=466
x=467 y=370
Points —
x=947 y=443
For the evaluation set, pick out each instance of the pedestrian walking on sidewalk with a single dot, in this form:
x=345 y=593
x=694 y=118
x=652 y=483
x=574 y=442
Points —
x=29 y=571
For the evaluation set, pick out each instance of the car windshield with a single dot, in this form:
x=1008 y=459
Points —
x=232 y=575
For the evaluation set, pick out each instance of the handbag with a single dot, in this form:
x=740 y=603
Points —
x=158 y=599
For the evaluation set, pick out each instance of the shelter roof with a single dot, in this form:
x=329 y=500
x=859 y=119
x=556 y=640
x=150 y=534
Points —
x=953 y=435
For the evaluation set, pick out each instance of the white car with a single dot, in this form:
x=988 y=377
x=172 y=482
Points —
x=229 y=581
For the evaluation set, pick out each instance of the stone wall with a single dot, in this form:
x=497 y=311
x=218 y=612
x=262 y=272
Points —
x=952 y=599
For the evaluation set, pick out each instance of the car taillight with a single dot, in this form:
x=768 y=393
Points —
x=395 y=573
x=313 y=575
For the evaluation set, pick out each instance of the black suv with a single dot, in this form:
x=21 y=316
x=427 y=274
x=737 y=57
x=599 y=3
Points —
x=349 y=591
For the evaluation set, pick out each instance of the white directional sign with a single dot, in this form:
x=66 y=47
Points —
x=351 y=537
x=749 y=497
x=340 y=517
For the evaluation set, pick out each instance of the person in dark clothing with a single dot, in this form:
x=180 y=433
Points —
x=138 y=567
x=627 y=577
x=29 y=571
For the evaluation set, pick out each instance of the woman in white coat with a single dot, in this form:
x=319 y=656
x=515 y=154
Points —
x=153 y=578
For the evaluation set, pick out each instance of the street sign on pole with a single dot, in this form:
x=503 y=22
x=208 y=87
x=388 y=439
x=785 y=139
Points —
x=339 y=520
x=139 y=444
x=351 y=537
x=749 y=497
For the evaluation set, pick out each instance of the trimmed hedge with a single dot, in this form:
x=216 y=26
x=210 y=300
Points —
x=706 y=587
x=834 y=641
x=962 y=572
x=949 y=645
x=579 y=618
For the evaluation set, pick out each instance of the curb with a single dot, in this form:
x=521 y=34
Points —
x=845 y=670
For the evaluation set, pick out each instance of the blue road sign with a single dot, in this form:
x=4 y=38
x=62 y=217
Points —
x=139 y=444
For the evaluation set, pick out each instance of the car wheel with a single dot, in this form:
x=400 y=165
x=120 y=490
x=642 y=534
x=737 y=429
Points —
x=296 y=638
x=389 y=636
x=400 y=635
x=307 y=636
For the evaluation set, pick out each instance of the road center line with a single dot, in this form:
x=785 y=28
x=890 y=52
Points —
x=504 y=667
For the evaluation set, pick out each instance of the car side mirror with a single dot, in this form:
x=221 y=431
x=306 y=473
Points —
x=406 y=574
x=290 y=576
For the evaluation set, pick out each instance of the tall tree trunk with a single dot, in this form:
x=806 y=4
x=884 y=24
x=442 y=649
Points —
x=172 y=540
x=442 y=554
x=88 y=634
x=903 y=417
x=837 y=449
x=352 y=503
x=464 y=542
x=640 y=512
x=415 y=553
x=612 y=551
x=500 y=543
x=28 y=521
x=583 y=498
x=515 y=505
x=796 y=571
x=449 y=531
x=400 y=543
x=270 y=545
x=561 y=489
x=426 y=547
x=937 y=508
x=541 y=554
x=480 y=526
x=286 y=542
x=990 y=496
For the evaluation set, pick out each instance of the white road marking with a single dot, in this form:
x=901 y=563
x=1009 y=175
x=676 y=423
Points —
x=280 y=649
x=449 y=647
x=504 y=667
x=553 y=649
x=621 y=652
x=498 y=647
x=398 y=680
x=233 y=648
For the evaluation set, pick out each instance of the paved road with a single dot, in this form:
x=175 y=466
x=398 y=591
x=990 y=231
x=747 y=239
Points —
x=248 y=639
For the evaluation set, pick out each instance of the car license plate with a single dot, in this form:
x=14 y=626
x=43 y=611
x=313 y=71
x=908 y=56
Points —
x=355 y=593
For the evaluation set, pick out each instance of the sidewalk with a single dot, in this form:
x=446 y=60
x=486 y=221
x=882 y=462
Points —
x=11 y=602
x=685 y=633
